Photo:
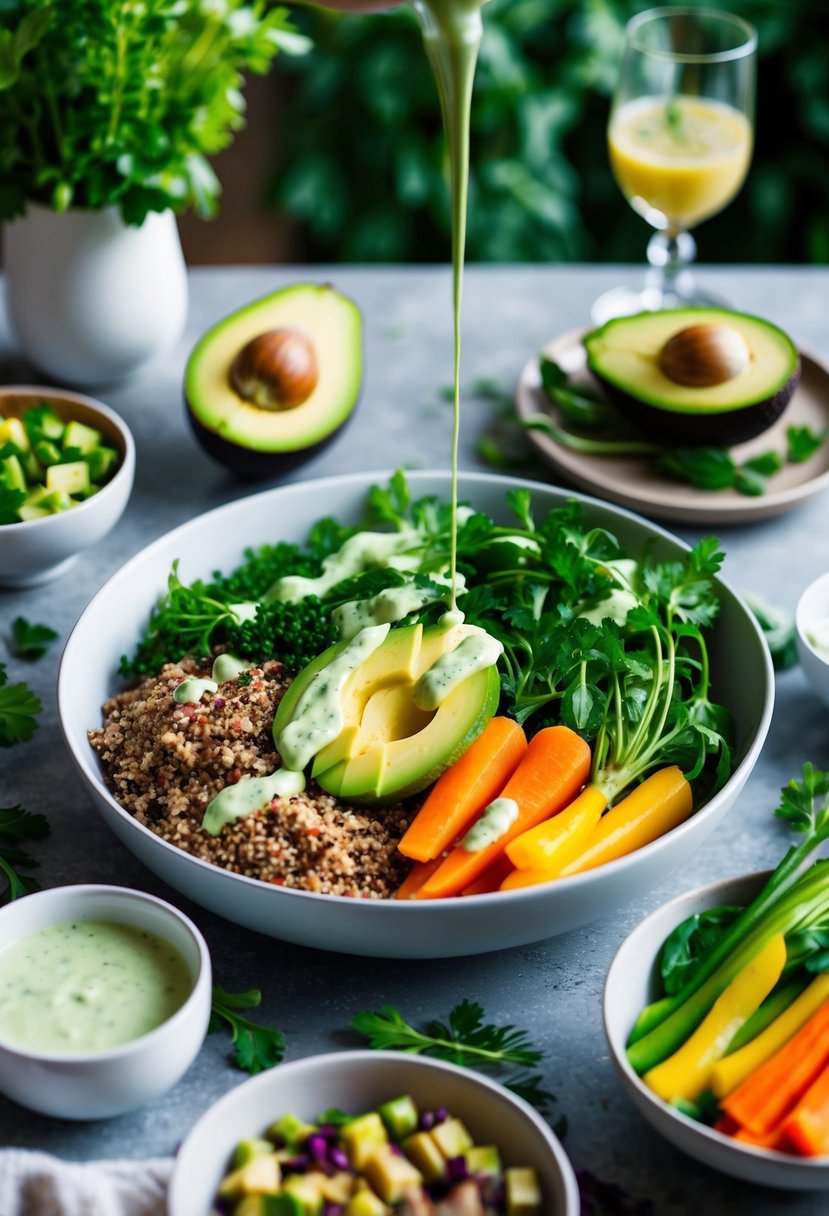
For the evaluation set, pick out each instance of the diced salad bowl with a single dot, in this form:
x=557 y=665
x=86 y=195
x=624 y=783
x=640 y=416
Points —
x=112 y=623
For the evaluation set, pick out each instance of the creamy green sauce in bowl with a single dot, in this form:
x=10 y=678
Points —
x=85 y=986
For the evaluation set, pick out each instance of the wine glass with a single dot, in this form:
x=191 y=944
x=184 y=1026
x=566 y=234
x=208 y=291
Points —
x=680 y=139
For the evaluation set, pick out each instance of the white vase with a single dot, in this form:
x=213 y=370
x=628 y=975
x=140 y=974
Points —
x=91 y=298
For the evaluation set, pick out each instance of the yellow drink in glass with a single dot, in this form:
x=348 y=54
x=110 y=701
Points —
x=682 y=156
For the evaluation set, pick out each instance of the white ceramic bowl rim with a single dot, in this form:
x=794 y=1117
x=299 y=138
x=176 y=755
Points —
x=365 y=1056
x=749 y=1151
x=127 y=895
x=403 y=908
x=804 y=619
x=127 y=460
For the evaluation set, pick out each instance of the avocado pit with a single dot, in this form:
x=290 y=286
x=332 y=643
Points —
x=701 y=356
x=276 y=370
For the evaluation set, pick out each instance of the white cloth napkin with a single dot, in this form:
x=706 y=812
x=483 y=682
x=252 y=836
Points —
x=35 y=1184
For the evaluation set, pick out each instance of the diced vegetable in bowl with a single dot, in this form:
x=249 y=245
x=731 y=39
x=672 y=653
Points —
x=66 y=470
x=445 y=1143
x=717 y=1012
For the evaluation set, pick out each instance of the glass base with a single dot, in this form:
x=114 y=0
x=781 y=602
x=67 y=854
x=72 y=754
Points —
x=652 y=297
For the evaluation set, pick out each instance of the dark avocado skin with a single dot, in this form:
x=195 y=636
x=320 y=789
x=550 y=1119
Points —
x=249 y=464
x=709 y=428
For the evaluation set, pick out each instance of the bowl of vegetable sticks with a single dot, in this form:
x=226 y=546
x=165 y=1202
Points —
x=716 y=1012
x=694 y=667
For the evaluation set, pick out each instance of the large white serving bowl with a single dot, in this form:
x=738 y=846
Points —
x=358 y=1081
x=445 y=928
x=631 y=984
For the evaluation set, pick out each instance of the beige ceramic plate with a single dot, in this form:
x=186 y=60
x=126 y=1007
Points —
x=634 y=482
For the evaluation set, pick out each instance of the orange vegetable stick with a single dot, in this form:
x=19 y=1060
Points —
x=772 y=1139
x=806 y=1129
x=661 y=802
x=491 y=879
x=561 y=839
x=414 y=880
x=553 y=770
x=464 y=789
x=527 y=878
x=767 y=1096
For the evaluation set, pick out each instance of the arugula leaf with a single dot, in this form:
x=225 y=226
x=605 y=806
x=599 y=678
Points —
x=802 y=443
x=465 y=1039
x=257 y=1048
x=30 y=641
x=19 y=708
x=17 y=824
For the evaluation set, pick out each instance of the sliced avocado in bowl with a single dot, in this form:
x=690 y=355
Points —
x=273 y=382
x=695 y=375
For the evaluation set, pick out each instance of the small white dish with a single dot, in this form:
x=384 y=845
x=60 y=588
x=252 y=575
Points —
x=631 y=984
x=812 y=614
x=357 y=1081
x=39 y=550
x=106 y=1083
x=438 y=928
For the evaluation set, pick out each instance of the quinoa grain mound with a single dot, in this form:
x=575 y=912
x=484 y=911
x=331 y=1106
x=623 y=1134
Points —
x=164 y=762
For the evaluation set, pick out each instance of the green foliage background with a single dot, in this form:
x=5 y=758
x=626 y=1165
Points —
x=361 y=163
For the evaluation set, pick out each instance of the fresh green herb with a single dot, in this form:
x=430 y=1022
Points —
x=579 y=404
x=256 y=1048
x=10 y=501
x=778 y=629
x=690 y=942
x=126 y=117
x=15 y=825
x=802 y=443
x=19 y=708
x=243 y=679
x=30 y=641
x=464 y=1039
x=674 y=119
x=791 y=902
x=587 y=444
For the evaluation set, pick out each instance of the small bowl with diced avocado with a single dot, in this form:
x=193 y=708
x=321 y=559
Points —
x=66 y=470
x=372 y=1133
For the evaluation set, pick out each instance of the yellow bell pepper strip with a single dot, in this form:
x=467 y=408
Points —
x=686 y=1073
x=661 y=802
x=559 y=840
x=729 y=1072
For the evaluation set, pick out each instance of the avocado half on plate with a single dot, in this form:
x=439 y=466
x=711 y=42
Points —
x=695 y=375
x=273 y=382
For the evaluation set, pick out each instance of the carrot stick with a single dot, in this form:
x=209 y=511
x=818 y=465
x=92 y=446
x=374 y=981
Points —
x=491 y=879
x=414 y=880
x=807 y=1128
x=761 y=1101
x=771 y=1139
x=463 y=791
x=553 y=770
x=657 y=805
x=559 y=840
x=518 y=879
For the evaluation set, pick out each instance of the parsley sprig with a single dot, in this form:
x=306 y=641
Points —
x=465 y=1039
x=16 y=825
x=19 y=708
x=256 y=1047
x=30 y=640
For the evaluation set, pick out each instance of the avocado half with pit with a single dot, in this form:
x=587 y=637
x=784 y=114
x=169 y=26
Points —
x=272 y=383
x=695 y=375
x=388 y=747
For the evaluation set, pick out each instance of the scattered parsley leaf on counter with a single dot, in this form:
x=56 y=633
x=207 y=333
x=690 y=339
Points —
x=29 y=640
x=257 y=1048
x=465 y=1039
x=778 y=629
x=19 y=708
x=17 y=824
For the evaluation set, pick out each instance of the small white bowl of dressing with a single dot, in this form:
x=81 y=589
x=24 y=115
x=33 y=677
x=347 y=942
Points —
x=104 y=999
x=812 y=623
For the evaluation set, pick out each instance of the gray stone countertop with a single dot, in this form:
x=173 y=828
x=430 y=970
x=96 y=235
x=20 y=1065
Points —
x=553 y=988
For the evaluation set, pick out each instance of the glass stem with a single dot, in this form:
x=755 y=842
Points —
x=670 y=255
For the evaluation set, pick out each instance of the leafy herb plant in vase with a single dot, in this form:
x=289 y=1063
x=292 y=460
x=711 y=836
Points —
x=109 y=110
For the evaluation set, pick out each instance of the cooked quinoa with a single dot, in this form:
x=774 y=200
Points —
x=164 y=762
